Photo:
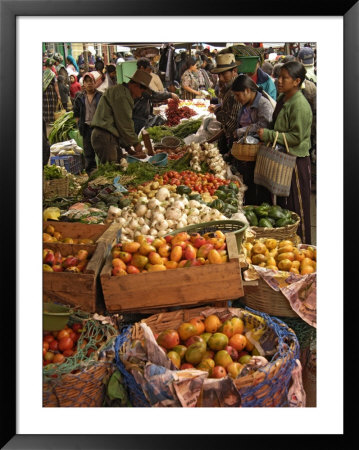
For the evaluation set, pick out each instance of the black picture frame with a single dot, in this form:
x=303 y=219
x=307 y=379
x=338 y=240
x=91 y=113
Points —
x=10 y=10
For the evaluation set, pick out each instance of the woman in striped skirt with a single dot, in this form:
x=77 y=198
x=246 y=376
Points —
x=50 y=93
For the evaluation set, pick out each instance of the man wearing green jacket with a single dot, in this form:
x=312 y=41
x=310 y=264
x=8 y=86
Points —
x=113 y=127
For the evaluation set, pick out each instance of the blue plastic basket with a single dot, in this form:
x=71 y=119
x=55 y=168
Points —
x=277 y=385
x=72 y=163
x=160 y=159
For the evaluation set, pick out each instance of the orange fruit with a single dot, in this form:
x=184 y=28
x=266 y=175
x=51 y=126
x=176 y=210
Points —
x=199 y=324
x=212 y=323
x=238 y=341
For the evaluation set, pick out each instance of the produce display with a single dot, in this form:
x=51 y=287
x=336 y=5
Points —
x=62 y=127
x=51 y=235
x=281 y=255
x=175 y=113
x=53 y=261
x=148 y=254
x=160 y=212
x=266 y=215
x=57 y=346
x=218 y=347
x=208 y=154
x=182 y=130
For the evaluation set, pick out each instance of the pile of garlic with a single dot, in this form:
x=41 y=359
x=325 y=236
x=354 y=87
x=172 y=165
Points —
x=160 y=215
x=210 y=154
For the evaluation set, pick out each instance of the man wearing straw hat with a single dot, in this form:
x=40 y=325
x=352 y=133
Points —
x=227 y=110
x=112 y=122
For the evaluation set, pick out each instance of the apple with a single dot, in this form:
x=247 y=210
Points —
x=70 y=261
x=199 y=241
x=218 y=372
x=49 y=259
x=232 y=352
x=125 y=256
x=82 y=255
x=57 y=268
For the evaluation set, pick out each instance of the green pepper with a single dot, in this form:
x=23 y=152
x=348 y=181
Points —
x=267 y=205
x=223 y=188
x=287 y=213
x=252 y=218
x=228 y=210
x=233 y=187
x=232 y=201
x=182 y=189
x=263 y=222
x=271 y=220
x=282 y=222
x=276 y=212
x=220 y=194
x=248 y=208
x=261 y=211
x=197 y=197
x=218 y=204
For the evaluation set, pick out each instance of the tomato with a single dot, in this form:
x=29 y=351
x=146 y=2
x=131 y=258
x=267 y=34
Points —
x=58 y=358
x=89 y=351
x=55 y=333
x=54 y=345
x=49 y=356
x=48 y=338
x=76 y=327
x=63 y=333
x=66 y=343
x=68 y=353
x=45 y=345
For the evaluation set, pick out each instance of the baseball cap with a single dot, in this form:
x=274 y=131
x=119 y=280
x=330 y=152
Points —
x=306 y=55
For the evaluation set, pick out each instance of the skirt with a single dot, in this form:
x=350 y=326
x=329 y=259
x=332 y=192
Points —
x=49 y=103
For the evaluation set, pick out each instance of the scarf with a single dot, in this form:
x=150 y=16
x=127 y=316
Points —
x=73 y=62
x=47 y=77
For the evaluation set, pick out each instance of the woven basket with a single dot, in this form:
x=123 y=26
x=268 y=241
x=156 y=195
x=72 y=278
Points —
x=265 y=388
x=245 y=152
x=83 y=389
x=171 y=141
x=56 y=188
x=274 y=169
x=280 y=233
x=265 y=299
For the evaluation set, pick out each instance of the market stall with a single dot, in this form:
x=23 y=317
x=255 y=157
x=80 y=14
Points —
x=173 y=293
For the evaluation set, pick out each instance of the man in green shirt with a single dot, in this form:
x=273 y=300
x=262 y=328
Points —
x=113 y=127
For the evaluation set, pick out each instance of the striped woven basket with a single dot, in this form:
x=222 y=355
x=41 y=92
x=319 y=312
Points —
x=274 y=169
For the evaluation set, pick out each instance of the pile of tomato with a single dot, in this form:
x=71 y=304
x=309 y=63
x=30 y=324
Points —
x=198 y=182
x=59 y=345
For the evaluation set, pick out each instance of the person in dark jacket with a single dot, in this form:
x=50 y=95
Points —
x=84 y=108
x=64 y=91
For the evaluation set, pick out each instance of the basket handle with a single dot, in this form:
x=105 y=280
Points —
x=285 y=142
x=246 y=133
x=275 y=139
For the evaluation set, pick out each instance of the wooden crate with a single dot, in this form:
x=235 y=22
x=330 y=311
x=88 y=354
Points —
x=77 y=230
x=82 y=290
x=209 y=283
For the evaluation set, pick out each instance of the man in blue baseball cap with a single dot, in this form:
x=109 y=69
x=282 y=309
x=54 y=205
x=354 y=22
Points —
x=306 y=57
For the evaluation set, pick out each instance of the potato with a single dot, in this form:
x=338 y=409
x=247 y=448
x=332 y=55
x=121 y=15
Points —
x=259 y=247
x=307 y=262
x=307 y=269
x=285 y=249
x=273 y=252
x=271 y=261
x=286 y=255
x=294 y=270
x=285 y=264
x=295 y=264
x=272 y=267
x=285 y=242
x=271 y=243
x=258 y=258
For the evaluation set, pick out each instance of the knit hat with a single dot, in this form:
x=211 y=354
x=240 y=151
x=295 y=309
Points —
x=306 y=55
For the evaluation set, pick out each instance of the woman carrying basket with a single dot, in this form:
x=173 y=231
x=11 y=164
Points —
x=256 y=112
x=293 y=118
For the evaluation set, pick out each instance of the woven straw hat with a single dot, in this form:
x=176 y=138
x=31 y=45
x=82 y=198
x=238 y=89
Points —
x=225 y=61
